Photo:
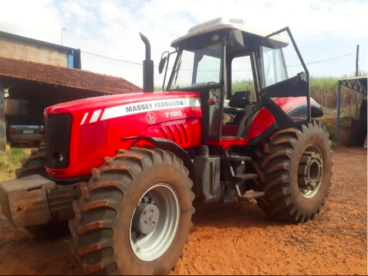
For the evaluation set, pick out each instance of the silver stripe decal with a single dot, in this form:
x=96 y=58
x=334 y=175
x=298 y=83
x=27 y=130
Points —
x=143 y=107
x=84 y=118
x=95 y=116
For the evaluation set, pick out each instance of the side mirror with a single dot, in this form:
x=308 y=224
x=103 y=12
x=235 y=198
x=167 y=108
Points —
x=165 y=61
x=162 y=64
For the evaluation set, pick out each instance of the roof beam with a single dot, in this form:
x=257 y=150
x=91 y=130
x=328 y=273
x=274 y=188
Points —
x=354 y=84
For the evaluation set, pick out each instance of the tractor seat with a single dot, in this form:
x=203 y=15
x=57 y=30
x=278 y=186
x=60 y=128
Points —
x=240 y=99
x=233 y=110
x=237 y=103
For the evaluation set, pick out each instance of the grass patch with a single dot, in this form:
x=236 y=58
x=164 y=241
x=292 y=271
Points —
x=16 y=152
x=329 y=119
x=10 y=161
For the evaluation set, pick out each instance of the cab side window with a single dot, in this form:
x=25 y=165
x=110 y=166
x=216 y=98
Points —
x=242 y=76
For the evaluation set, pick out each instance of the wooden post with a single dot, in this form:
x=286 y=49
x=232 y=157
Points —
x=357 y=62
x=337 y=130
x=2 y=120
x=357 y=93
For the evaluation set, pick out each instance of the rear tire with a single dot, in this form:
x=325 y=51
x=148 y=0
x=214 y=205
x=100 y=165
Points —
x=35 y=164
x=103 y=239
x=294 y=169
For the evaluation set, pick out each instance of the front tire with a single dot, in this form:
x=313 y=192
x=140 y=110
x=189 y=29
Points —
x=294 y=168
x=111 y=232
x=34 y=164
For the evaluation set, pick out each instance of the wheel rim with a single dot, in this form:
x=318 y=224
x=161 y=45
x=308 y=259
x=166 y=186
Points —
x=154 y=222
x=310 y=173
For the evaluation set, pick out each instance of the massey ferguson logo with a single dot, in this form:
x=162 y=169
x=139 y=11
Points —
x=146 y=108
x=154 y=106
x=151 y=117
x=138 y=107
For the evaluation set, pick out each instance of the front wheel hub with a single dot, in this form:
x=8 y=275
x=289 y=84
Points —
x=310 y=172
x=155 y=222
x=146 y=218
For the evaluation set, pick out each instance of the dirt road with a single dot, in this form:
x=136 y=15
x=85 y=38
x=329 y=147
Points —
x=237 y=238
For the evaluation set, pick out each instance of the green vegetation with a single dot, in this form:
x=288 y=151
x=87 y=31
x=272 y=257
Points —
x=329 y=119
x=323 y=90
x=14 y=152
x=10 y=161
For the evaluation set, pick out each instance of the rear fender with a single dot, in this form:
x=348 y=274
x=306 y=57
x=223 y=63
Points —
x=296 y=107
x=299 y=112
x=173 y=147
x=263 y=123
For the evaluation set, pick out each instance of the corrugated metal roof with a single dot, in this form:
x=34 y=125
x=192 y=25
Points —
x=353 y=83
x=354 y=78
x=63 y=76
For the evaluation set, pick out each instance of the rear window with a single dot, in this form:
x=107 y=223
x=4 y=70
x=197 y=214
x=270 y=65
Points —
x=25 y=120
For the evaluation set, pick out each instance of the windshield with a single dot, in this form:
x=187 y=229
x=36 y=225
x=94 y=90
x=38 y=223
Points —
x=24 y=120
x=200 y=66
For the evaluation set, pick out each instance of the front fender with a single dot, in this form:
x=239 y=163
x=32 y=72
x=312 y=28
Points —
x=173 y=147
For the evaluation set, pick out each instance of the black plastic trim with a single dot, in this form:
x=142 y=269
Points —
x=293 y=87
x=69 y=180
x=316 y=110
x=58 y=129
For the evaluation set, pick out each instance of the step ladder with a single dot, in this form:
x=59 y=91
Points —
x=238 y=179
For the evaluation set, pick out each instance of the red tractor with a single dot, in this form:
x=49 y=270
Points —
x=123 y=170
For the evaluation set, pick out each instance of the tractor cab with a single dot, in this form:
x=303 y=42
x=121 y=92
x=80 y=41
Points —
x=241 y=73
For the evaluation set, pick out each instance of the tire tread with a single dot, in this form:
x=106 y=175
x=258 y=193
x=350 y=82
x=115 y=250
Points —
x=115 y=176
x=273 y=166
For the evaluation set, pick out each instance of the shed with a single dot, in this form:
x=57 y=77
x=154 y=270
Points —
x=29 y=49
x=358 y=127
x=42 y=85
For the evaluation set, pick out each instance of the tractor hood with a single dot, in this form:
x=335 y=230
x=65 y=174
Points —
x=132 y=101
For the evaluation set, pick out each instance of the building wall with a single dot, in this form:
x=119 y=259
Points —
x=21 y=50
x=2 y=120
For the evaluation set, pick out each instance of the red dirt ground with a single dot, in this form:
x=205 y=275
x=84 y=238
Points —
x=237 y=238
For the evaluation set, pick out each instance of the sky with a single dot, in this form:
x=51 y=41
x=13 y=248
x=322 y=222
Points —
x=323 y=29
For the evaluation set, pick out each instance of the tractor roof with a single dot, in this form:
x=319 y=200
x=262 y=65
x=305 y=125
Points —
x=222 y=23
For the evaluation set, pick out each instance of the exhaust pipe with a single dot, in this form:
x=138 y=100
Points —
x=148 y=74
